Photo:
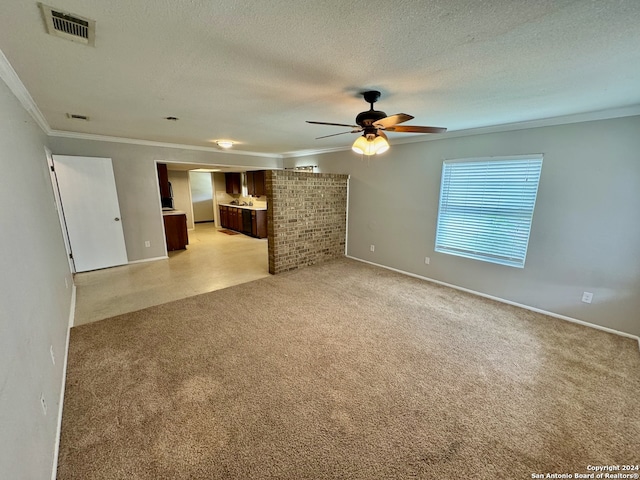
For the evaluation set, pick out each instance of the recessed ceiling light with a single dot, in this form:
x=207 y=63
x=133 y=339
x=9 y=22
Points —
x=224 y=143
x=173 y=119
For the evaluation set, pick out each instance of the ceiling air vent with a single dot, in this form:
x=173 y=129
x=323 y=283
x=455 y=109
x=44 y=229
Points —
x=68 y=25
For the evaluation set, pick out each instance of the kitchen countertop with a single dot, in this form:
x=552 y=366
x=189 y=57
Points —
x=173 y=212
x=247 y=207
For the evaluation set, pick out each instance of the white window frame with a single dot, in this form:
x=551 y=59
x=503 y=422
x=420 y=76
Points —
x=486 y=207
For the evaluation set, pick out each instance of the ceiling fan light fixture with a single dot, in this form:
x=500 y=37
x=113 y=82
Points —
x=224 y=143
x=370 y=145
x=380 y=145
x=374 y=123
x=361 y=146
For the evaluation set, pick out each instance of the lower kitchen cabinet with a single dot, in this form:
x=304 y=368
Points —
x=224 y=216
x=259 y=223
x=175 y=230
x=249 y=222
x=236 y=219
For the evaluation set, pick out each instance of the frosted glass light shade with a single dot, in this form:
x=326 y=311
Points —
x=361 y=146
x=380 y=145
x=373 y=146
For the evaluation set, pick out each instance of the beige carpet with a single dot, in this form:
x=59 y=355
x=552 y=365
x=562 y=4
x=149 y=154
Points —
x=343 y=370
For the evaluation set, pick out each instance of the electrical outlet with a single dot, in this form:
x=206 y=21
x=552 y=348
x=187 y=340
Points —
x=587 y=297
x=147 y=243
x=372 y=248
x=43 y=403
x=427 y=260
x=53 y=357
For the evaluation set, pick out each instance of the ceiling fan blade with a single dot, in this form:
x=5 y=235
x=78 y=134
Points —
x=383 y=135
x=341 y=133
x=416 y=129
x=334 y=124
x=392 y=120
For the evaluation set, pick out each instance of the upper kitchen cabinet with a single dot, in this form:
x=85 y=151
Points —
x=255 y=184
x=233 y=182
x=163 y=180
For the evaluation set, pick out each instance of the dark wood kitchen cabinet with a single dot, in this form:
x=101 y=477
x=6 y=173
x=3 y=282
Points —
x=259 y=223
x=256 y=184
x=175 y=230
x=249 y=222
x=231 y=223
x=233 y=182
x=235 y=219
x=224 y=216
x=163 y=180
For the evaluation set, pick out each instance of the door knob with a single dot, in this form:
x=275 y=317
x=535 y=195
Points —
x=117 y=219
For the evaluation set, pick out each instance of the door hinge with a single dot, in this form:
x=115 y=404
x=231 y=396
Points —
x=52 y=169
x=71 y=256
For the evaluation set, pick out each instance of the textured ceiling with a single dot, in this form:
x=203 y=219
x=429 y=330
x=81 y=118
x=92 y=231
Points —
x=254 y=71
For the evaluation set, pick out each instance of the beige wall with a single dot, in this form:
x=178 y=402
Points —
x=306 y=218
x=35 y=304
x=586 y=227
x=220 y=194
x=201 y=196
x=182 y=194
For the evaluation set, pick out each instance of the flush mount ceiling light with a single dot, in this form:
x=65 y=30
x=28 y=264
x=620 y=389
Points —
x=224 y=143
x=373 y=124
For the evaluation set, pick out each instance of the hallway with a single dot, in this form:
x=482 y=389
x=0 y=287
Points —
x=213 y=260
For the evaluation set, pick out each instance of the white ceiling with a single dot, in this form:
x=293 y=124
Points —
x=253 y=71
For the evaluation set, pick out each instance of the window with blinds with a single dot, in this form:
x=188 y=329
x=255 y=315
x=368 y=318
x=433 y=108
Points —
x=486 y=208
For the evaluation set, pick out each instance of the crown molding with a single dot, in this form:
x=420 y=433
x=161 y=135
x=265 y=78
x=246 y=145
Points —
x=607 y=114
x=507 y=127
x=151 y=143
x=319 y=151
x=10 y=77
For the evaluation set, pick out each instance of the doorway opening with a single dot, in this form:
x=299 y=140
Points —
x=201 y=192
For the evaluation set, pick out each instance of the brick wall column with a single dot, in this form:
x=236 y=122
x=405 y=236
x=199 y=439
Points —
x=307 y=214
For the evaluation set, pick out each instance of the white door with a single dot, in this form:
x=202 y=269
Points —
x=91 y=211
x=58 y=205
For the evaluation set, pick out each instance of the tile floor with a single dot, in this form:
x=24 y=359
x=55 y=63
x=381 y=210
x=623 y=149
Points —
x=212 y=261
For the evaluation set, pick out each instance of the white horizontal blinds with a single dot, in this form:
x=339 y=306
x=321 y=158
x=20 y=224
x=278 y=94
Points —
x=486 y=207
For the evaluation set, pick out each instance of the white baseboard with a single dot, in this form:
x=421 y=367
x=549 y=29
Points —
x=148 y=260
x=508 y=302
x=56 y=451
